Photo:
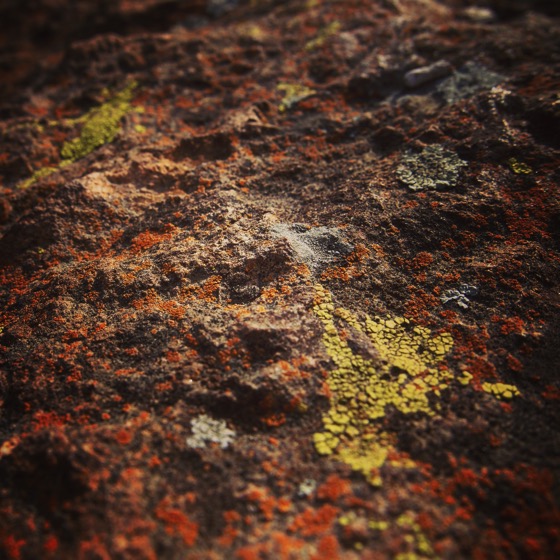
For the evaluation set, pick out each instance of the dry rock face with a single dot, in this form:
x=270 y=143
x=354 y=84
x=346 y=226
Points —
x=280 y=280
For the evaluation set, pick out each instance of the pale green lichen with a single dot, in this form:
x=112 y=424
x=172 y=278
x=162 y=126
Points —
x=101 y=125
x=409 y=371
x=468 y=81
x=433 y=168
x=293 y=94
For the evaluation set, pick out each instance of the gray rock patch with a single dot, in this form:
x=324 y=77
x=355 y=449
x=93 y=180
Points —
x=315 y=246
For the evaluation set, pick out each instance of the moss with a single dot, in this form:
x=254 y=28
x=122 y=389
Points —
x=101 y=125
x=409 y=371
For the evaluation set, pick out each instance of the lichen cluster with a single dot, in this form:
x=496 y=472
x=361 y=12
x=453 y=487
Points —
x=501 y=391
x=323 y=36
x=101 y=125
x=408 y=372
x=518 y=167
x=206 y=430
x=468 y=81
x=434 y=167
x=292 y=94
x=460 y=295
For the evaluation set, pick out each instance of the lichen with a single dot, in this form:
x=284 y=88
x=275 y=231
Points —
x=467 y=81
x=206 y=430
x=39 y=174
x=293 y=94
x=501 y=391
x=433 y=168
x=324 y=34
x=409 y=371
x=415 y=541
x=519 y=168
x=307 y=487
x=422 y=548
x=460 y=295
x=101 y=125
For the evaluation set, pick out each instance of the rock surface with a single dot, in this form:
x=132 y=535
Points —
x=266 y=293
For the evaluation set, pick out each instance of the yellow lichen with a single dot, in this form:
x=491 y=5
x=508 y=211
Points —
x=414 y=539
x=465 y=379
x=501 y=390
x=378 y=525
x=408 y=371
x=519 y=167
x=39 y=174
x=417 y=540
x=293 y=93
x=324 y=34
x=101 y=125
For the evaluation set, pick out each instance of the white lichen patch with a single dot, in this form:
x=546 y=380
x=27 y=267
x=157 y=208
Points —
x=460 y=295
x=206 y=430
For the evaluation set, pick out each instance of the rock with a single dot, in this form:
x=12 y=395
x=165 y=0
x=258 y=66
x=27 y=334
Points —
x=420 y=76
x=234 y=252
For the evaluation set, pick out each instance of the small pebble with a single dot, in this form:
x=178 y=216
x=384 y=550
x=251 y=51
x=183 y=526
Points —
x=420 y=76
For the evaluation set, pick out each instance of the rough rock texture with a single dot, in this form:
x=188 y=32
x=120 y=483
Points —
x=280 y=279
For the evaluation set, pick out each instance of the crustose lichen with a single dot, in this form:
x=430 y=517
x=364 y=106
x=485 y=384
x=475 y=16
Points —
x=433 y=168
x=101 y=125
x=206 y=430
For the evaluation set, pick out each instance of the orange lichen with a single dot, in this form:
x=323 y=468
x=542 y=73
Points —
x=274 y=420
x=50 y=546
x=177 y=523
x=279 y=546
x=12 y=546
x=148 y=239
x=334 y=488
x=124 y=437
x=422 y=260
x=206 y=292
x=328 y=547
x=43 y=420
x=261 y=496
x=312 y=522
x=173 y=356
x=352 y=269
